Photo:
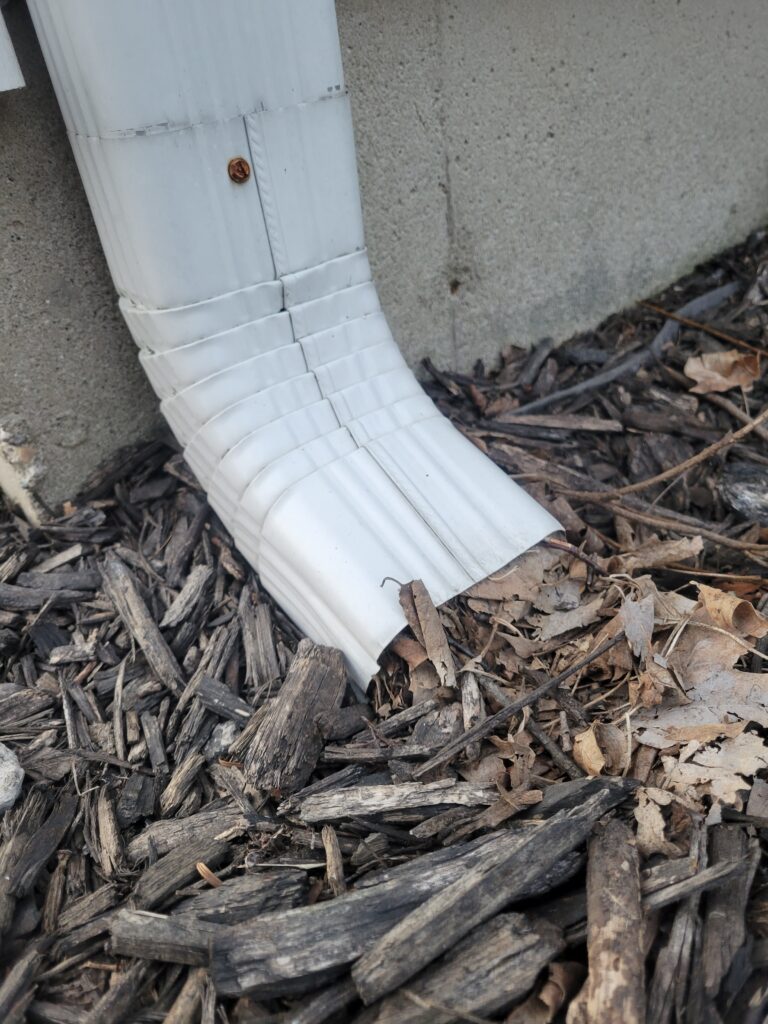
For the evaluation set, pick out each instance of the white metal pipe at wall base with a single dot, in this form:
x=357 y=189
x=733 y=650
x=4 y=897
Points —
x=215 y=144
x=10 y=72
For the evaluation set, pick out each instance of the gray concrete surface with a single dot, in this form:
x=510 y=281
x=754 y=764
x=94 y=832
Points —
x=71 y=389
x=528 y=166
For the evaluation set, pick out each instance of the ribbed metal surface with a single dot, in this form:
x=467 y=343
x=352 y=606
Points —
x=253 y=306
x=176 y=369
x=126 y=66
x=161 y=329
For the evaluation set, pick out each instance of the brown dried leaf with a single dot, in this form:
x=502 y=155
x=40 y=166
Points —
x=563 y=981
x=408 y=604
x=656 y=553
x=720 y=700
x=651 y=827
x=637 y=619
x=433 y=636
x=732 y=613
x=722 y=371
x=558 y=623
x=668 y=608
x=488 y=771
x=423 y=680
x=587 y=753
x=562 y=596
x=719 y=770
x=409 y=650
x=601 y=748
x=521 y=579
x=649 y=687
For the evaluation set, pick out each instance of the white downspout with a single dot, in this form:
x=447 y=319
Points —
x=216 y=148
x=10 y=72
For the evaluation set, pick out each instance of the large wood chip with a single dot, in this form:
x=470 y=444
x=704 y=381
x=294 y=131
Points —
x=289 y=742
x=615 y=987
x=494 y=965
x=123 y=592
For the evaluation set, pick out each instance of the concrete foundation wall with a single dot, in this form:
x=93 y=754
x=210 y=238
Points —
x=527 y=166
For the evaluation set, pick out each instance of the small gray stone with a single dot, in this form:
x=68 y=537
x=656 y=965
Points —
x=222 y=737
x=11 y=778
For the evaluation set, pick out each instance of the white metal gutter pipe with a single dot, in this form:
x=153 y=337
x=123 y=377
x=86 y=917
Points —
x=10 y=72
x=216 y=148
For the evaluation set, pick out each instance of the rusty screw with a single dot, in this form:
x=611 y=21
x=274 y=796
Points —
x=239 y=169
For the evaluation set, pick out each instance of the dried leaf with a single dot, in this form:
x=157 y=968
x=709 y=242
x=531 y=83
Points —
x=408 y=604
x=656 y=553
x=732 y=613
x=488 y=771
x=587 y=753
x=651 y=827
x=433 y=636
x=668 y=608
x=562 y=596
x=409 y=650
x=558 y=623
x=720 y=699
x=422 y=681
x=649 y=687
x=601 y=748
x=720 y=771
x=563 y=981
x=722 y=371
x=521 y=579
x=637 y=619
x=613 y=743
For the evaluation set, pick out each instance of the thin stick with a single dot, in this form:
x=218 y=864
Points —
x=675 y=526
x=483 y=729
x=635 y=361
x=720 y=401
x=561 y=759
x=686 y=570
x=707 y=328
x=682 y=467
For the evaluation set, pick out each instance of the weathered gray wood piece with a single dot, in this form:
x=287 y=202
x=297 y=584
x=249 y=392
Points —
x=179 y=939
x=161 y=837
x=362 y=801
x=177 y=868
x=245 y=896
x=615 y=986
x=725 y=929
x=490 y=968
x=288 y=742
x=122 y=590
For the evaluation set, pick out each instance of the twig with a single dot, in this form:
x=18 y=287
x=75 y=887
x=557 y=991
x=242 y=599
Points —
x=634 y=362
x=561 y=759
x=483 y=729
x=719 y=400
x=675 y=526
x=707 y=328
x=682 y=467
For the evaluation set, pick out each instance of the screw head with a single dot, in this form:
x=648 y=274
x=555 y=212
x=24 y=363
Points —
x=239 y=170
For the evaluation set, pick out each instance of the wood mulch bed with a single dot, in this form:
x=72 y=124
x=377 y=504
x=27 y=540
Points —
x=550 y=806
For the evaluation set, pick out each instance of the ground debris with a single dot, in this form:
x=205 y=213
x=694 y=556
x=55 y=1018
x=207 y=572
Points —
x=551 y=804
